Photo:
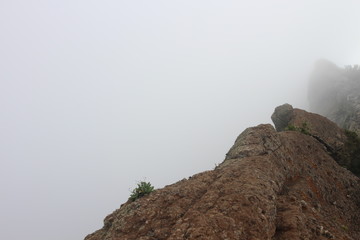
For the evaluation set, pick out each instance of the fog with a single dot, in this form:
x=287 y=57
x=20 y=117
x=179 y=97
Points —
x=98 y=95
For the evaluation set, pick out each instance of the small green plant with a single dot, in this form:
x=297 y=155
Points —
x=290 y=128
x=344 y=227
x=304 y=129
x=143 y=188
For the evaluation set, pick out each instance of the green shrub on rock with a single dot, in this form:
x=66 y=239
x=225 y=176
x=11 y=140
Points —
x=143 y=188
x=304 y=129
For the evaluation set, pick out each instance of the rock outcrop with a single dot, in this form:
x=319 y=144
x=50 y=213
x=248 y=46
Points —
x=317 y=126
x=273 y=185
x=282 y=116
x=335 y=93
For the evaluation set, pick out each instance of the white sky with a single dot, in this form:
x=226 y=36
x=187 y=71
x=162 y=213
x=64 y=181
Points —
x=97 y=95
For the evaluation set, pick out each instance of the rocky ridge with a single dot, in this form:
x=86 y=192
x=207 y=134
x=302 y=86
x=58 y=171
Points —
x=272 y=185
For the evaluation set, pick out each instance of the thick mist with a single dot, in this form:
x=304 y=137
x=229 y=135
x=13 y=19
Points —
x=97 y=95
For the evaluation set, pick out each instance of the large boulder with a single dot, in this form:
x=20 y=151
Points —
x=282 y=116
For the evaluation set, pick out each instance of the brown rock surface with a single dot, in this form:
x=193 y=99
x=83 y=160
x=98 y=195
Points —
x=313 y=124
x=272 y=185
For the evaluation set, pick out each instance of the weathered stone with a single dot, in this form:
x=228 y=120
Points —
x=281 y=116
x=255 y=141
x=311 y=124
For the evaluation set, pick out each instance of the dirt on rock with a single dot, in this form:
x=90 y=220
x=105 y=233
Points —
x=272 y=185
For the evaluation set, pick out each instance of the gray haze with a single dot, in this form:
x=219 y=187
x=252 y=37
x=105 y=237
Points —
x=97 y=95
